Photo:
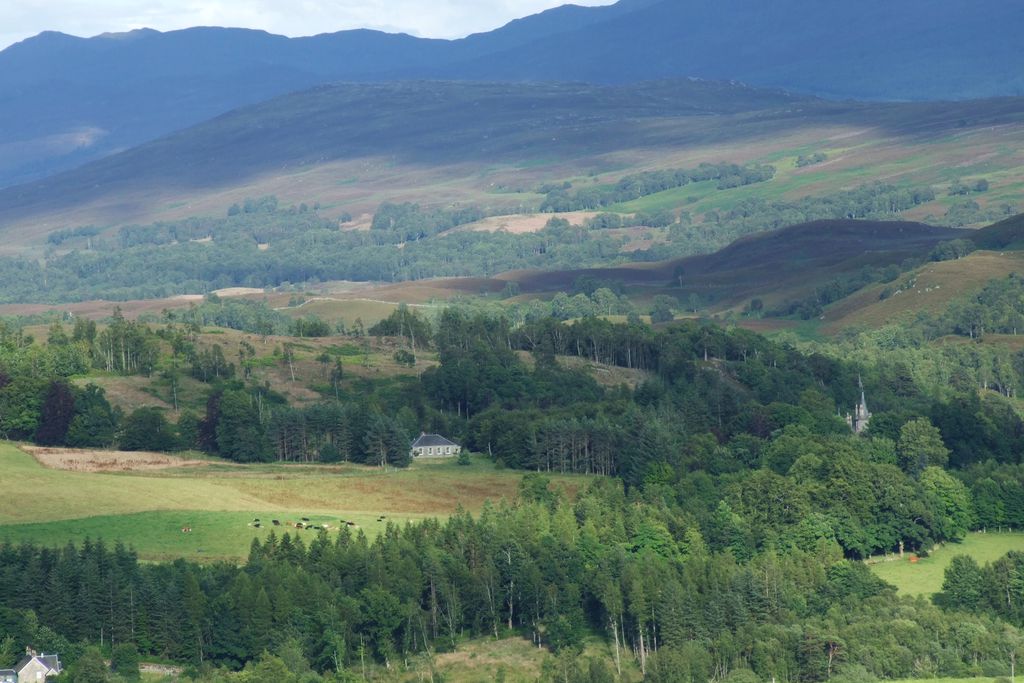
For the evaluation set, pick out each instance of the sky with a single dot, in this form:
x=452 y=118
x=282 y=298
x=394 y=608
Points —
x=20 y=19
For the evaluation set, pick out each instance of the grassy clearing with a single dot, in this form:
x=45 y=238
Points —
x=933 y=287
x=925 y=577
x=214 y=536
x=336 y=310
x=514 y=660
x=148 y=510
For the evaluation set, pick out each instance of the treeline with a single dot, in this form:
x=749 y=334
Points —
x=639 y=185
x=260 y=220
x=628 y=567
x=410 y=222
x=969 y=212
x=255 y=425
x=992 y=590
x=997 y=309
x=245 y=315
x=872 y=201
x=273 y=246
x=298 y=249
x=59 y=237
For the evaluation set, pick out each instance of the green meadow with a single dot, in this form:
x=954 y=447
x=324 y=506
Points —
x=219 y=502
x=926 y=575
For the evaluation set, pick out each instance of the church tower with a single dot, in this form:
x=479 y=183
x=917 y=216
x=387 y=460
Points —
x=858 y=422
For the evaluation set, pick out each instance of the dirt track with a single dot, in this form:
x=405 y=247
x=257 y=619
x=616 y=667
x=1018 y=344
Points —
x=81 y=460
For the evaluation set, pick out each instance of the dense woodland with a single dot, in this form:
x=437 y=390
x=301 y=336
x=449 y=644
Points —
x=631 y=566
x=263 y=244
x=721 y=540
x=725 y=176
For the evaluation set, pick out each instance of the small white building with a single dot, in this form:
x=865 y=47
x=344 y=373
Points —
x=434 y=446
x=37 y=667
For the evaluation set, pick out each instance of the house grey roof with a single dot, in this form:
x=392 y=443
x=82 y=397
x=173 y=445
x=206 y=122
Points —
x=52 y=661
x=428 y=440
x=8 y=672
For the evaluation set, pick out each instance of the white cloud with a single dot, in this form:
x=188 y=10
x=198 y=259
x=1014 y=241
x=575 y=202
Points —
x=20 y=19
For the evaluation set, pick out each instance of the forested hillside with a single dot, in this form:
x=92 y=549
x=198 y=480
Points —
x=264 y=245
x=730 y=363
x=722 y=534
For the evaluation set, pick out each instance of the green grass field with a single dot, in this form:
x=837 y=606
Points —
x=219 y=501
x=925 y=577
x=935 y=286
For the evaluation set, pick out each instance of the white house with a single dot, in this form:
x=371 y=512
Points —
x=434 y=446
x=37 y=667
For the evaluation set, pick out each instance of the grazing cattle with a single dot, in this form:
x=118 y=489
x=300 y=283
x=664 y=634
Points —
x=276 y=522
x=186 y=529
x=305 y=519
x=350 y=523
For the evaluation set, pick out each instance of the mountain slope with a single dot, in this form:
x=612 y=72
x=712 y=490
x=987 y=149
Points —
x=1008 y=234
x=871 y=49
x=424 y=127
x=69 y=100
x=774 y=266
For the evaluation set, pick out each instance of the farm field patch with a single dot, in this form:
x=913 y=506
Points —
x=926 y=575
x=220 y=502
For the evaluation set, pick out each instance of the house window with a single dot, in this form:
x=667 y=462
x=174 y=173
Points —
x=447 y=450
x=430 y=451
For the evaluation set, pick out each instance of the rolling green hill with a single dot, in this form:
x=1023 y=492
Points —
x=1008 y=234
x=772 y=266
x=352 y=147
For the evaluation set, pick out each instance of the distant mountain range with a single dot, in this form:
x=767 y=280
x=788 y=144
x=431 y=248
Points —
x=68 y=100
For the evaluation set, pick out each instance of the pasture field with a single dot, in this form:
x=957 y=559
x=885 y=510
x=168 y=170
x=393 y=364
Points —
x=861 y=156
x=925 y=577
x=929 y=288
x=219 y=501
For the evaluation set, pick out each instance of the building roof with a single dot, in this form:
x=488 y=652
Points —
x=52 y=662
x=428 y=440
x=8 y=672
